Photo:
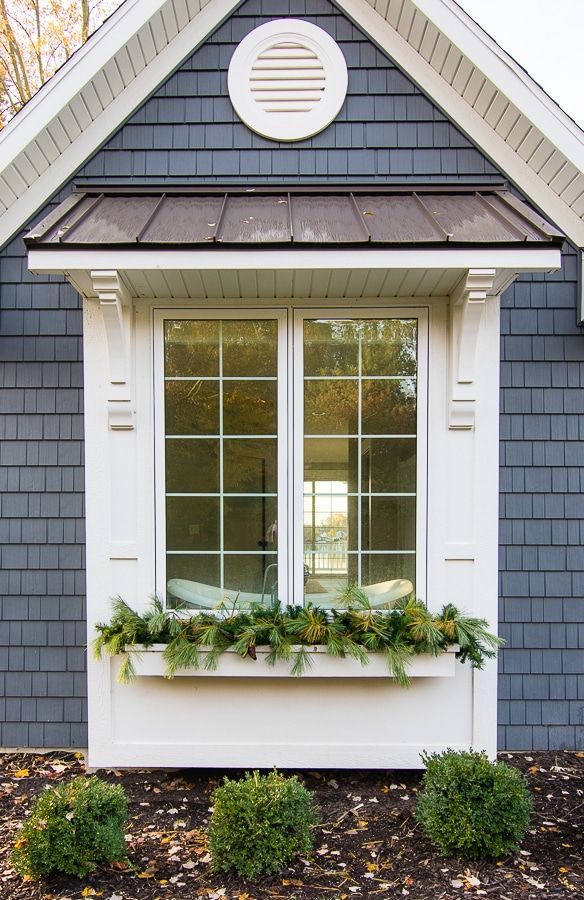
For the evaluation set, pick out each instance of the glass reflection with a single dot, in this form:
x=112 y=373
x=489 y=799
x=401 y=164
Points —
x=389 y=347
x=331 y=348
x=192 y=407
x=250 y=523
x=331 y=407
x=389 y=407
x=191 y=347
x=388 y=465
x=192 y=523
x=192 y=466
x=193 y=581
x=253 y=575
x=250 y=466
x=388 y=523
x=333 y=459
x=379 y=567
x=249 y=407
x=250 y=348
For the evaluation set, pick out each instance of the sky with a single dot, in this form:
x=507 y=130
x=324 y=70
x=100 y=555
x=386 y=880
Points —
x=545 y=37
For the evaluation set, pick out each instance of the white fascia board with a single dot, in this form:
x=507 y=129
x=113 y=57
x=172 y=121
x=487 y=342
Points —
x=518 y=259
x=465 y=117
x=110 y=119
x=507 y=75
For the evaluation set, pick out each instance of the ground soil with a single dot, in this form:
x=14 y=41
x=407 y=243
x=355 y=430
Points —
x=368 y=843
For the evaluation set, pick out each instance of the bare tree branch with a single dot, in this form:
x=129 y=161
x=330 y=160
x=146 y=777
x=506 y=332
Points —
x=36 y=38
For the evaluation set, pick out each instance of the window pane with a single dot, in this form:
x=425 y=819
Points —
x=192 y=523
x=192 y=466
x=191 y=347
x=389 y=407
x=388 y=523
x=220 y=380
x=388 y=465
x=330 y=523
x=250 y=347
x=331 y=459
x=331 y=348
x=250 y=523
x=330 y=407
x=376 y=396
x=379 y=567
x=250 y=466
x=192 y=407
x=193 y=581
x=249 y=407
x=252 y=574
x=390 y=347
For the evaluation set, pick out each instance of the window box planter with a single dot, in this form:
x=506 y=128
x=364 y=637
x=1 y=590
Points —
x=149 y=662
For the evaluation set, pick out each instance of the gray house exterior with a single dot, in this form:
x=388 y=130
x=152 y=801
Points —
x=388 y=132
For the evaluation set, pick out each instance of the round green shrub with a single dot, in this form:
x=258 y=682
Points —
x=471 y=807
x=72 y=829
x=259 y=824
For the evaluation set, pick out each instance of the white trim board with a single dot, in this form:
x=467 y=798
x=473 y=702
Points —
x=58 y=130
x=519 y=259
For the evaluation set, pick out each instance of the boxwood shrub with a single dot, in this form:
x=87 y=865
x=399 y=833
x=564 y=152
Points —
x=72 y=829
x=471 y=807
x=259 y=824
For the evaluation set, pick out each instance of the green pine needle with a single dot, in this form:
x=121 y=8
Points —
x=353 y=629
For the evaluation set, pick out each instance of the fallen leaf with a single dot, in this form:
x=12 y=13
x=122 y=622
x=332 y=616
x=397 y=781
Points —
x=20 y=773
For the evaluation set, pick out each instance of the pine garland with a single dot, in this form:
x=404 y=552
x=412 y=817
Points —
x=354 y=629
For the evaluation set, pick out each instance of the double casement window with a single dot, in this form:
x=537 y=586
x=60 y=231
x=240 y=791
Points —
x=290 y=454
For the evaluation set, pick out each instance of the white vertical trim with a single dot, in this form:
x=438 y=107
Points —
x=297 y=379
x=486 y=524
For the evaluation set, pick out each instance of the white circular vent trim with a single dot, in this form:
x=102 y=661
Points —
x=287 y=80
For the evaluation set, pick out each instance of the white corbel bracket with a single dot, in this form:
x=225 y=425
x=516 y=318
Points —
x=116 y=308
x=467 y=304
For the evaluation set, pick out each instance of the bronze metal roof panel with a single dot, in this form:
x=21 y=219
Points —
x=388 y=216
x=468 y=219
x=113 y=220
x=397 y=219
x=255 y=219
x=184 y=220
x=327 y=219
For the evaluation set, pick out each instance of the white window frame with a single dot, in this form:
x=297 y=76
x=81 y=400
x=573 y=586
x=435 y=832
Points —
x=290 y=417
x=297 y=426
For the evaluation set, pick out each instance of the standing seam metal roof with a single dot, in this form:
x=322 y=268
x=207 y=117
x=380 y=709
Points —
x=254 y=216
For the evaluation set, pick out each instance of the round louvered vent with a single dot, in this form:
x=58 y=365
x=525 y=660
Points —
x=287 y=80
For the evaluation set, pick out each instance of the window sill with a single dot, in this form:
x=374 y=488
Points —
x=149 y=662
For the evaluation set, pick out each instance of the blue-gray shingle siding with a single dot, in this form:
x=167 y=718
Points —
x=387 y=131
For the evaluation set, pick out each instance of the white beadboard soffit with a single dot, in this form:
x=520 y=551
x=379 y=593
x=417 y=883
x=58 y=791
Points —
x=501 y=109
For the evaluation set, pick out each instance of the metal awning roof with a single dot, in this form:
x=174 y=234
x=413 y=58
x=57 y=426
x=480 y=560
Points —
x=183 y=217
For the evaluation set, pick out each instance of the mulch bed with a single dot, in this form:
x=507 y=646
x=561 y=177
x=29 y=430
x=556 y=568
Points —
x=367 y=845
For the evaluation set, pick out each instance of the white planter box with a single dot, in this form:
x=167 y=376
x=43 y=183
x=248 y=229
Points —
x=149 y=661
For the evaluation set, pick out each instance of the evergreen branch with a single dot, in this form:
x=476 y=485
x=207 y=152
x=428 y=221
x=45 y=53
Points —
x=356 y=630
